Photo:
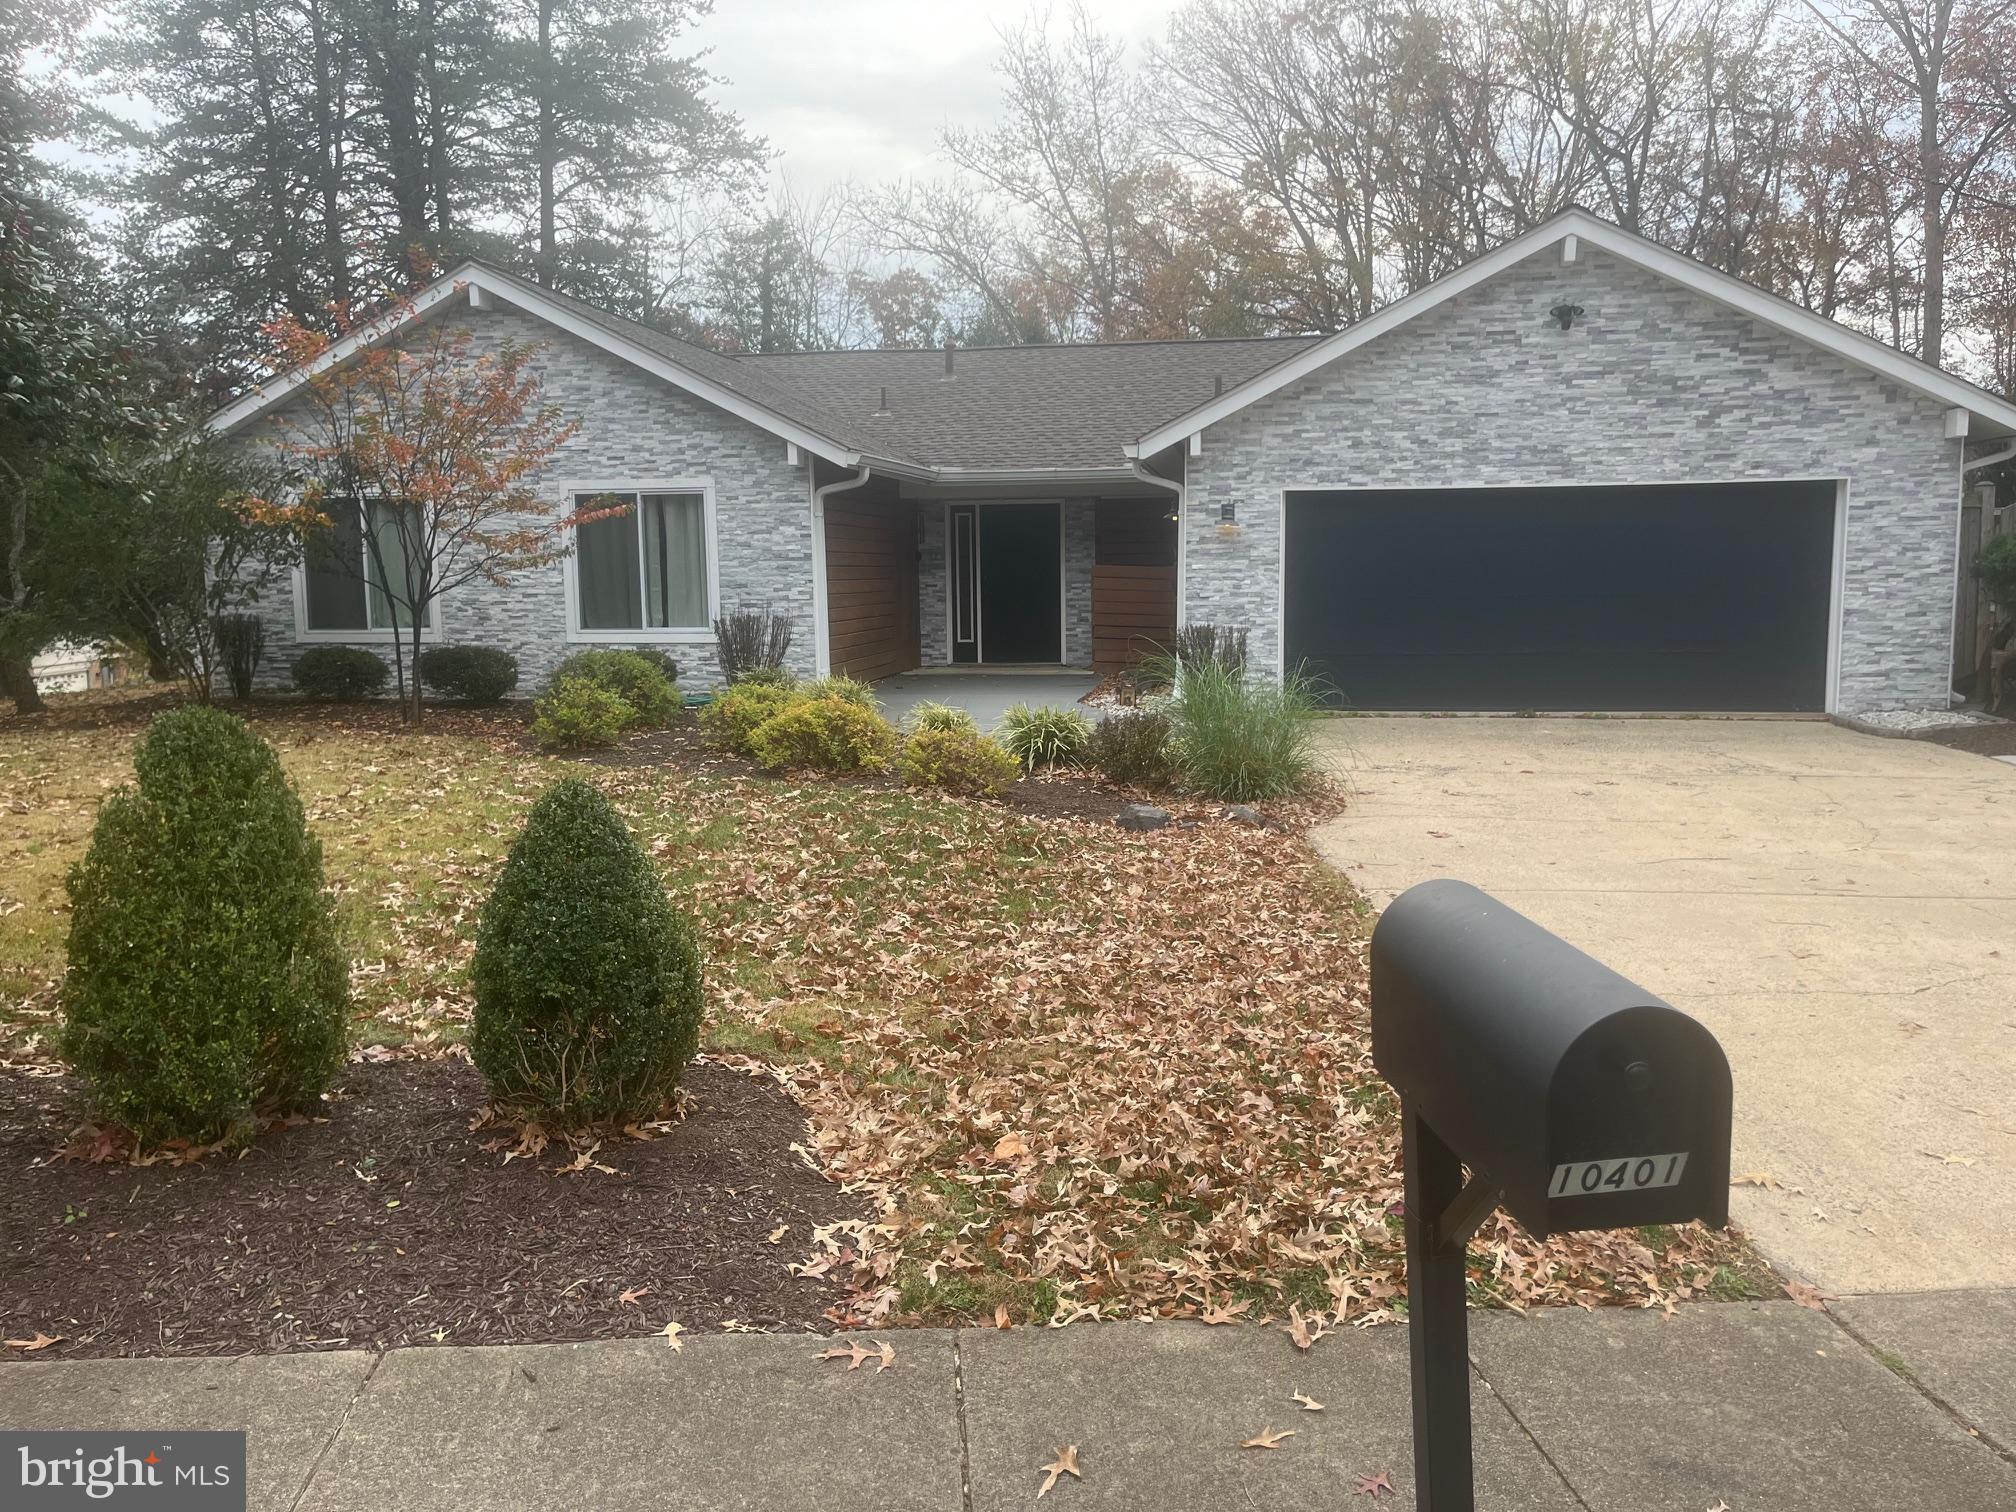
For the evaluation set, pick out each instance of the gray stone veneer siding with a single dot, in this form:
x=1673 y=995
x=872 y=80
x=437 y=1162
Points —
x=636 y=429
x=934 y=639
x=1654 y=384
x=1080 y=542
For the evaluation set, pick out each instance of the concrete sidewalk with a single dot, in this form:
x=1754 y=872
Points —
x=1896 y=1402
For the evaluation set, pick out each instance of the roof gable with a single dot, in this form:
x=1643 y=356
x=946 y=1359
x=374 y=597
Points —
x=1579 y=226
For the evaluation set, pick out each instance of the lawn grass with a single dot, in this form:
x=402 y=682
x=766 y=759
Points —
x=1076 y=1071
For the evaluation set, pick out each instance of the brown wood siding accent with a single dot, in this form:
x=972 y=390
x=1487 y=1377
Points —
x=871 y=588
x=1134 y=533
x=1133 y=581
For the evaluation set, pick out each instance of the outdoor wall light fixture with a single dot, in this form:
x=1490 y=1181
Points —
x=1566 y=314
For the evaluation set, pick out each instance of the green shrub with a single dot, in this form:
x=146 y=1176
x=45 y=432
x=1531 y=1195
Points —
x=960 y=761
x=1132 y=746
x=1239 y=739
x=241 y=641
x=340 y=674
x=768 y=677
x=825 y=735
x=205 y=977
x=839 y=686
x=632 y=676
x=1995 y=566
x=660 y=658
x=732 y=718
x=586 y=978
x=938 y=716
x=575 y=715
x=1044 y=737
x=474 y=674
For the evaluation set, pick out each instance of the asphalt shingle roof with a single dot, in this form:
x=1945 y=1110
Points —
x=1070 y=407
x=1016 y=407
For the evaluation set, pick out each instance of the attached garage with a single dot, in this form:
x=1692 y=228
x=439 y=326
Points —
x=1702 y=597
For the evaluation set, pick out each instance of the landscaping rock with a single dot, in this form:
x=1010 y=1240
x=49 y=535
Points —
x=1142 y=816
x=1245 y=813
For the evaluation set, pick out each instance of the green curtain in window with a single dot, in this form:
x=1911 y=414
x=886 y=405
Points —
x=331 y=567
x=675 y=561
x=607 y=578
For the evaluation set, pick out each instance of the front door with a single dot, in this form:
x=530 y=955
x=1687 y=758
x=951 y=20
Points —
x=1007 y=582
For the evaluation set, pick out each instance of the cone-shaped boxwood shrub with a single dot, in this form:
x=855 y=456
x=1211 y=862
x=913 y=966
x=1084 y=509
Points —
x=205 y=976
x=587 y=979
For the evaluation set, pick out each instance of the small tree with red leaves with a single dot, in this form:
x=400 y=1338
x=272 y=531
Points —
x=448 y=436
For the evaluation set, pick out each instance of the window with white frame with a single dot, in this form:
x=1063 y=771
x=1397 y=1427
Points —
x=347 y=586
x=645 y=568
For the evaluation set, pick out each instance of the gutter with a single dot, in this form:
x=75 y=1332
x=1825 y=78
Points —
x=822 y=631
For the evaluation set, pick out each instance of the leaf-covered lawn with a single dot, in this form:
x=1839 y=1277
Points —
x=1079 y=1072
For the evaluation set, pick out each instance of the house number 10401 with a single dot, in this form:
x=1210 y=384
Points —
x=1633 y=1173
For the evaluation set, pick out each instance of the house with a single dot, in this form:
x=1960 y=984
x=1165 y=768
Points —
x=67 y=666
x=1582 y=472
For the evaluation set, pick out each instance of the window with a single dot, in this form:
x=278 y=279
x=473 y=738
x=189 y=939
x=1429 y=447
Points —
x=342 y=590
x=645 y=569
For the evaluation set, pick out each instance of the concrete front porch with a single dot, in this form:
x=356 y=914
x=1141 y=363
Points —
x=987 y=695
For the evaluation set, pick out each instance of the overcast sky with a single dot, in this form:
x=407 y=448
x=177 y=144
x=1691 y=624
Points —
x=858 y=88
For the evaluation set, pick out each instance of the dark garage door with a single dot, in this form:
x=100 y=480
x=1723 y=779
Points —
x=1672 y=597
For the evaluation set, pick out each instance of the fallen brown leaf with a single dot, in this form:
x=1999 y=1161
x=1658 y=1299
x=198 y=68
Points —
x=1307 y=1403
x=1218 y=1313
x=1066 y=1463
x=1806 y=1295
x=853 y=1354
x=1267 y=1438
x=39 y=1342
x=1001 y=1318
x=633 y=1296
x=671 y=1331
x=1375 y=1486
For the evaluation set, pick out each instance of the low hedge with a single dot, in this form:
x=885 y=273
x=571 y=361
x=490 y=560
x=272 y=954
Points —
x=826 y=734
x=341 y=674
x=636 y=677
x=473 y=674
x=959 y=761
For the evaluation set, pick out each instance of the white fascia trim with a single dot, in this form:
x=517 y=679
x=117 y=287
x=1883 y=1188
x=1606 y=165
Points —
x=478 y=280
x=1930 y=382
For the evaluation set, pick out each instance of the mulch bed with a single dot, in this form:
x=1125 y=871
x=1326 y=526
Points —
x=1983 y=740
x=389 y=1224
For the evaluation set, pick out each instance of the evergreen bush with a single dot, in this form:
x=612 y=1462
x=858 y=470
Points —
x=824 y=735
x=959 y=761
x=473 y=674
x=632 y=676
x=341 y=674
x=205 y=980
x=587 y=979
x=575 y=716
x=733 y=716
x=1132 y=746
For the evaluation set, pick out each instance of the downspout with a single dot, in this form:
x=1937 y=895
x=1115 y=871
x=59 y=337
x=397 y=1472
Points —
x=1156 y=480
x=822 y=631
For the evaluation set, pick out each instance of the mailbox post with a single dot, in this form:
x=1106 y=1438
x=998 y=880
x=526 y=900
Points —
x=1577 y=1099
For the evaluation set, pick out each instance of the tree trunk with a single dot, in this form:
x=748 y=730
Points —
x=1932 y=338
x=545 y=150
x=17 y=680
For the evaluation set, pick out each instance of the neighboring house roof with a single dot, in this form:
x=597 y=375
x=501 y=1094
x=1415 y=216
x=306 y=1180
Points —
x=1077 y=410
x=1023 y=407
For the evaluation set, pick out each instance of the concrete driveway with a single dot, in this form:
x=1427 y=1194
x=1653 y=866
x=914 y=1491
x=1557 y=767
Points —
x=1840 y=909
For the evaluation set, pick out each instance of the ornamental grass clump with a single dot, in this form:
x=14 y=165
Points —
x=930 y=715
x=1044 y=737
x=586 y=977
x=205 y=982
x=1238 y=738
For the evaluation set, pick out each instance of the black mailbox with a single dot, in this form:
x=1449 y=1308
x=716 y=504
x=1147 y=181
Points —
x=1589 y=1102
x=1577 y=1099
